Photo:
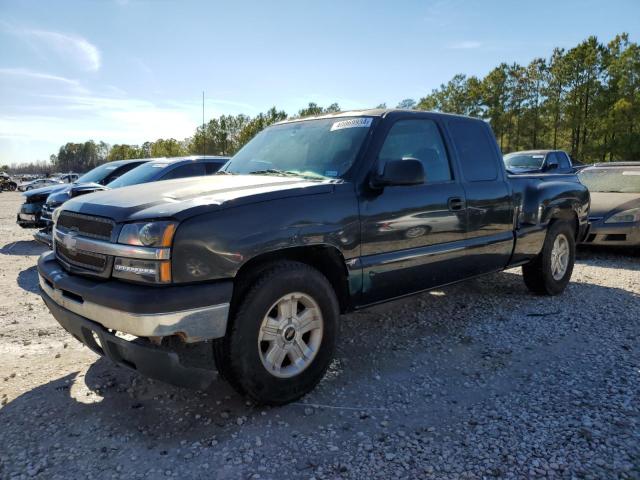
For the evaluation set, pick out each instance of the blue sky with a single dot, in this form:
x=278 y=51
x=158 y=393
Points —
x=126 y=71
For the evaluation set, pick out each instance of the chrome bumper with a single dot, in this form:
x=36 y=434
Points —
x=43 y=237
x=192 y=325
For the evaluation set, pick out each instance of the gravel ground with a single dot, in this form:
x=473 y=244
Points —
x=476 y=380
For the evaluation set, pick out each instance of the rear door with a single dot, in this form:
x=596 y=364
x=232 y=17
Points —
x=489 y=236
x=412 y=236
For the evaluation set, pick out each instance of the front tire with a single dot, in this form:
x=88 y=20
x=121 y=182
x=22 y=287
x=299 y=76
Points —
x=550 y=272
x=282 y=338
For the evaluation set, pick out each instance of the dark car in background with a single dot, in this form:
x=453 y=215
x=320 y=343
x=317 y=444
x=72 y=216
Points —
x=95 y=179
x=615 y=203
x=171 y=168
x=538 y=161
x=139 y=171
x=7 y=183
x=31 y=213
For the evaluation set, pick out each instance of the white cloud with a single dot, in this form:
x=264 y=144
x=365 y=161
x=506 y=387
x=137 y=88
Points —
x=67 y=46
x=114 y=120
x=23 y=72
x=465 y=45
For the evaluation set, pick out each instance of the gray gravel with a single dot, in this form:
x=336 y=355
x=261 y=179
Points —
x=477 y=380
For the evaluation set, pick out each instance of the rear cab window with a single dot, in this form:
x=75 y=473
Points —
x=476 y=151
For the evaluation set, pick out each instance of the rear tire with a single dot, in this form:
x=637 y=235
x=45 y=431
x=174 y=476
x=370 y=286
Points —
x=282 y=337
x=551 y=270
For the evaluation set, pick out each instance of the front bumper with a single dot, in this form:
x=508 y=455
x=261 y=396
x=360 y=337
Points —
x=146 y=359
x=613 y=234
x=193 y=312
x=43 y=236
x=29 y=215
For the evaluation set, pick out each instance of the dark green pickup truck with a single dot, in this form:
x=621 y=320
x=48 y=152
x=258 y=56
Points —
x=312 y=218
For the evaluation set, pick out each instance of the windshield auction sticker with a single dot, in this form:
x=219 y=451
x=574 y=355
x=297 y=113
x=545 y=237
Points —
x=352 y=123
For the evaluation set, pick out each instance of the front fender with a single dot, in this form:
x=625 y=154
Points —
x=216 y=245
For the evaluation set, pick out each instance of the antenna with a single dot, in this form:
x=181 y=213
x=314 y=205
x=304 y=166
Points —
x=204 y=132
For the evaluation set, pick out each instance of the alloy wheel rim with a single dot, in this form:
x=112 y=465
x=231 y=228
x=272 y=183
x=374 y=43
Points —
x=290 y=335
x=560 y=257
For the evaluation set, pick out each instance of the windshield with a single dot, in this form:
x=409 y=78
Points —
x=524 y=160
x=142 y=174
x=615 y=180
x=98 y=174
x=324 y=148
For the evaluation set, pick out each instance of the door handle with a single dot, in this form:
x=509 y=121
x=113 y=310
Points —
x=455 y=204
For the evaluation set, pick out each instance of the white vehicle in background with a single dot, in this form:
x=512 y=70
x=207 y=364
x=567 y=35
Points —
x=39 y=183
x=45 y=182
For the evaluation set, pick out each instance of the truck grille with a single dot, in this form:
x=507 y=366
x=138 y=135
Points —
x=89 y=260
x=87 y=225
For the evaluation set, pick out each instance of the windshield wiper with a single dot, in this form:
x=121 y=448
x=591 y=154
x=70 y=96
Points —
x=287 y=173
x=272 y=171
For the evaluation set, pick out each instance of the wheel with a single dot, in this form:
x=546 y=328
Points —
x=415 y=232
x=551 y=270
x=12 y=187
x=282 y=338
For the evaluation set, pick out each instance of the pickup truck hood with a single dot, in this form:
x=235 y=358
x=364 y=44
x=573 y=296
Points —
x=184 y=198
x=603 y=203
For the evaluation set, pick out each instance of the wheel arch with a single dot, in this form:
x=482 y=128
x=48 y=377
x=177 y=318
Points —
x=327 y=259
x=566 y=214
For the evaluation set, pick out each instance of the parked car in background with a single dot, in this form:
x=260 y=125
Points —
x=95 y=179
x=249 y=270
x=126 y=173
x=538 y=161
x=66 y=177
x=615 y=203
x=170 y=168
x=38 y=183
x=7 y=183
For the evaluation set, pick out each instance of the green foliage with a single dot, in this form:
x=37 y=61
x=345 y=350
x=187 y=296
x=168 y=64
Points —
x=407 y=103
x=80 y=157
x=313 y=109
x=585 y=100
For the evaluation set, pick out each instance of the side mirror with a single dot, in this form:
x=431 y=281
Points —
x=551 y=166
x=408 y=171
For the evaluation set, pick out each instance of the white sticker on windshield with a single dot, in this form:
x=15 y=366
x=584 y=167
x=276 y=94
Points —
x=631 y=172
x=111 y=167
x=362 y=122
x=159 y=165
x=537 y=156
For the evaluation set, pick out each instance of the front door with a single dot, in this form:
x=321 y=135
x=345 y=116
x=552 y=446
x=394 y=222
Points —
x=413 y=236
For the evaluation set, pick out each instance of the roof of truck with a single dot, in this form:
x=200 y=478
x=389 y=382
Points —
x=372 y=112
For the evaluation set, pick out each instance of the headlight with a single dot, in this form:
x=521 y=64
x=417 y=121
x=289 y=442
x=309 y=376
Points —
x=627 y=216
x=148 y=234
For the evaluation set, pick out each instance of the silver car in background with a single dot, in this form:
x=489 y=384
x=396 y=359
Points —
x=615 y=203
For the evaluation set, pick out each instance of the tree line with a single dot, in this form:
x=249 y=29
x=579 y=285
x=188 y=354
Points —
x=585 y=100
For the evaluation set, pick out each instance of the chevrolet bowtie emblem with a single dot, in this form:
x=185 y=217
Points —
x=69 y=241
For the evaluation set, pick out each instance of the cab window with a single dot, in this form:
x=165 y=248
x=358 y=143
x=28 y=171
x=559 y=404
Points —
x=419 y=139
